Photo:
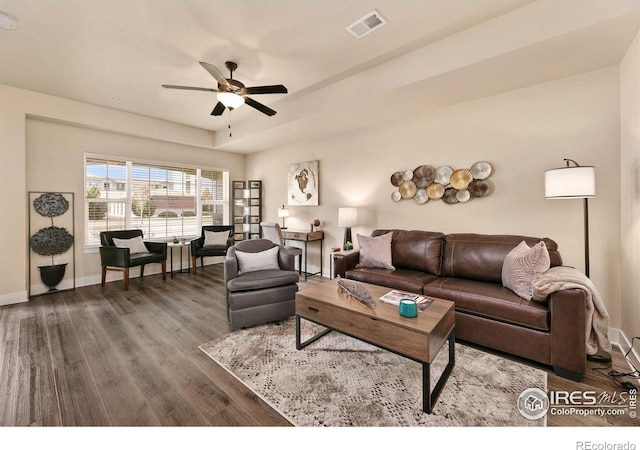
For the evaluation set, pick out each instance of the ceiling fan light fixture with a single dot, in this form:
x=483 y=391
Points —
x=230 y=100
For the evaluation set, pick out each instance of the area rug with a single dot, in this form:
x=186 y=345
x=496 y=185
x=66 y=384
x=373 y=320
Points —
x=339 y=381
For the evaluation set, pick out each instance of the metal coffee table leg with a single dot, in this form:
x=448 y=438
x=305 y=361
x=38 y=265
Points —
x=429 y=398
x=300 y=345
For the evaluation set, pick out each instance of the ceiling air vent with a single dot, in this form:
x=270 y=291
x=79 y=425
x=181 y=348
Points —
x=366 y=24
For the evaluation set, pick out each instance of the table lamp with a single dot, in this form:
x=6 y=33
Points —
x=283 y=212
x=347 y=218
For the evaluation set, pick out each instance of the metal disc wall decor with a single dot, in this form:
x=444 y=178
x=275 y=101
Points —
x=442 y=175
x=480 y=170
x=435 y=191
x=427 y=182
x=407 y=189
x=396 y=178
x=460 y=179
x=420 y=197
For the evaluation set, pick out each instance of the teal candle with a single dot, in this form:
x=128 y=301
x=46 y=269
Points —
x=408 y=308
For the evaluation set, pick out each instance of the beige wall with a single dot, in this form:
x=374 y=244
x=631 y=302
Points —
x=43 y=142
x=522 y=133
x=630 y=189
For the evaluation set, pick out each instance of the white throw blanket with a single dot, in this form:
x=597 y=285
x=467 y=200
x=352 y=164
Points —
x=597 y=319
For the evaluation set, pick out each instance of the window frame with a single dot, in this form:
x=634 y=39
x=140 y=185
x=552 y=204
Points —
x=128 y=163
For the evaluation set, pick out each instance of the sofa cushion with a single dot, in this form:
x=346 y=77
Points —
x=375 y=251
x=490 y=300
x=264 y=260
x=138 y=259
x=403 y=279
x=134 y=244
x=480 y=257
x=261 y=279
x=523 y=266
x=216 y=238
x=415 y=249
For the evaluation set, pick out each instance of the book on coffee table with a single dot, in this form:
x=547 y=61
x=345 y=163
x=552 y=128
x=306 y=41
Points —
x=393 y=297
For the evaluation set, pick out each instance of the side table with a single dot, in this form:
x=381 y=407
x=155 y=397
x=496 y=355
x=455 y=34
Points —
x=179 y=245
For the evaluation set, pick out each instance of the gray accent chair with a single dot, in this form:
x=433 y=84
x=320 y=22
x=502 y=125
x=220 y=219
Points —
x=259 y=296
x=273 y=232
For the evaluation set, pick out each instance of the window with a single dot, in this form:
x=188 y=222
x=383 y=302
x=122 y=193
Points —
x=160 y=199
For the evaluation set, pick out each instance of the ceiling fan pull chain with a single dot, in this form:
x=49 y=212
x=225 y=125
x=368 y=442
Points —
x=229 y=123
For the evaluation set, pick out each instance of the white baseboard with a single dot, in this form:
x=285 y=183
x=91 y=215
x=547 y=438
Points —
x=619 y=339
x=14 y=297
x=151 y=269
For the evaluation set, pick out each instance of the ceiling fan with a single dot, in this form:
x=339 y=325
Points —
x=232 y=93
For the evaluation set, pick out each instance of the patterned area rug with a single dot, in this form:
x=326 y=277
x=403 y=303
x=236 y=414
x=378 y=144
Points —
x=340 y=381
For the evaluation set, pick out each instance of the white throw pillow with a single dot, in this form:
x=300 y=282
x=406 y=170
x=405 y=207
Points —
x=136 y=245
x=375 y=251
x=215 y=238
x=250 y=262
x=523 y=266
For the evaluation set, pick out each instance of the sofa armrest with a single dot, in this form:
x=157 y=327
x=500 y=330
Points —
x=157 y=247
x=115 y=256
x=344 y=261
x=230 y=265
x=568 y=332
x=196 y=244
x=286 y=260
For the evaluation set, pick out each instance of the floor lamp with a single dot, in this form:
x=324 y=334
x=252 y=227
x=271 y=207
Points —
x=347 y=218
x=571 y=182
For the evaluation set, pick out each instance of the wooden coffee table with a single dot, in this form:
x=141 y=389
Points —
x=419 y=339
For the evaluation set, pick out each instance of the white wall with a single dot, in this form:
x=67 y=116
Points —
x=43 y=142
x=521 y=133
x=630 y=188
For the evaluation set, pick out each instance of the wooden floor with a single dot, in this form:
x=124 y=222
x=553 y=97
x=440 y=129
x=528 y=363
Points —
x=108 y=357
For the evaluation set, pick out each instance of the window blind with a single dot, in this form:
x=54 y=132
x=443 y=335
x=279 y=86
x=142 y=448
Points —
x=163 y=200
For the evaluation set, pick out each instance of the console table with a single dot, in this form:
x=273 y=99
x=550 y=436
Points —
x=306 y=237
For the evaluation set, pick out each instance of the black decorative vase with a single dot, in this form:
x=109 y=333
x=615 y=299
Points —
x=52 y=275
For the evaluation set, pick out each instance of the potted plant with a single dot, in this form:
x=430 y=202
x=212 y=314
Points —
x=51 y=241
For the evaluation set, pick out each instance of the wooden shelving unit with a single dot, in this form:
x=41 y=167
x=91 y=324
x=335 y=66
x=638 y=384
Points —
x=247 y=209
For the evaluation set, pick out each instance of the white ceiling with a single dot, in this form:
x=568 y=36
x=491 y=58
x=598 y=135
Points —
x=431 y=53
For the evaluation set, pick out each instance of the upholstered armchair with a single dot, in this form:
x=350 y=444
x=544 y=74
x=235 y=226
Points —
x=120 y=250
x=214 y=241
x=261 y=283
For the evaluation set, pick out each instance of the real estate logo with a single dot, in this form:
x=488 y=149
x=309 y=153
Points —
x=533 y=403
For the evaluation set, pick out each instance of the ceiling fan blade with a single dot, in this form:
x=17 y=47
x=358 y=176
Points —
x=218 y=110
x=189 y=88
x=259 y=106
x=275 y=89
x=215 y=73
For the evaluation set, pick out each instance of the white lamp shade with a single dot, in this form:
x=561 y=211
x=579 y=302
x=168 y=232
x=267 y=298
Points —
x=230 y=100
x=347 y=217
x=283 y=212
x=570 y=182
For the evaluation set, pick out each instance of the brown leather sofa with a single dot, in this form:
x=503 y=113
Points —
x=467 y=269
